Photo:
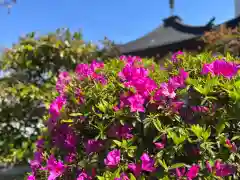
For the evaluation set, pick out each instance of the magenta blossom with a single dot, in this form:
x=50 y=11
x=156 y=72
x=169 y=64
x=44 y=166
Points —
x=220 y=169
x=175 y=56
x=83 y=71
x=147 y=163
x=179 y=80
x=55 y=168
x=143 y=86
x=71 y=157
x=135 y=168
x=130 y=72
x=93 y=145
x=56 y=106
x=220 y=68
x=190 y=174
x=167 y=90
x=79 y=96
x=231 y=146
x=63 y=80
x=193 y=172
x=64 y=137
x=201 y=109
x=84 y=176
x=159 y=145
x=99 y=78
x=131 y=60
x=40 y=143
x=113 y=158
x=180 y=172
x=176 y=106
x=122 y=177
x=136 y=103
x=96 y=65
x=31 y=177
x=36 y=162
x=120 y=131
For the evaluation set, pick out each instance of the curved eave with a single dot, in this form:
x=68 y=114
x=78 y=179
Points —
x=172 y=31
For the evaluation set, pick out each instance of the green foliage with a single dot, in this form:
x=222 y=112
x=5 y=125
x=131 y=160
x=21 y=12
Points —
x=33 y=64
x=204 y=128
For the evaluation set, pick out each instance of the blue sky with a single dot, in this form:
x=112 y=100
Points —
x=119 y=20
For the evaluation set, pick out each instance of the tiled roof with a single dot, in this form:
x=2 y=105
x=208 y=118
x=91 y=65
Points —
x=172 y=31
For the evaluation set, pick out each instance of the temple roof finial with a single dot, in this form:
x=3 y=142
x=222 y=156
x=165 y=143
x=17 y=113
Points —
x=171 y=4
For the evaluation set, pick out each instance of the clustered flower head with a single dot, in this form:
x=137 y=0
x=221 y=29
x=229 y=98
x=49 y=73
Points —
x=69 y=143
x=221 y=68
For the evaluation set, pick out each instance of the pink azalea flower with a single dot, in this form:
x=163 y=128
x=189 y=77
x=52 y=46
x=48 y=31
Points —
x=122 y=177
x=167 y=90
x=84 y=176
x=83 y=70
x=159 y=145
x=70 y=140
x=55 y=168
x=79 y=96
x=31 y=177
x=113 y=158
x=201 y=109
x=231 y=146
x=63 y=80
x=209 y=167
x=147 y=163
x=220 y=68
x=93 y=145
x=180 y=172
x=120 y=131
x=220 y=169
x=71 y=157
x=36 y=162
x=99 y=78
x=143 y=86
x=175 y=55
x=135 y=168
x=130 y=59
x=193 y=172
x=225 y=170
x=56 y=106
x=176 y=105
x=96 y=65
x=136 y=103
x=40 y=143
x=179 y=80
x=129 y=72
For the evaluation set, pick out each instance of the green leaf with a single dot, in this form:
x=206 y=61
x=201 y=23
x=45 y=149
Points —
x=67 y=121
x=177 y=165
x=117 y=143
x=116 y=173
x=132 y=177
x=220 y=126
x=75 y=114
x=100 y=178
x=197 y=130
x=157 y=125
x=206 y=134
x=163 y=164
x=235 y=138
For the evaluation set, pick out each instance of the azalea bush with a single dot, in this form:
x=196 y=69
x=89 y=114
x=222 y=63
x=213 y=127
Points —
x=129 y=119
x=31 y=66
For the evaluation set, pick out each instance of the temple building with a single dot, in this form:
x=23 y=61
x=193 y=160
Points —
x=174 y=35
